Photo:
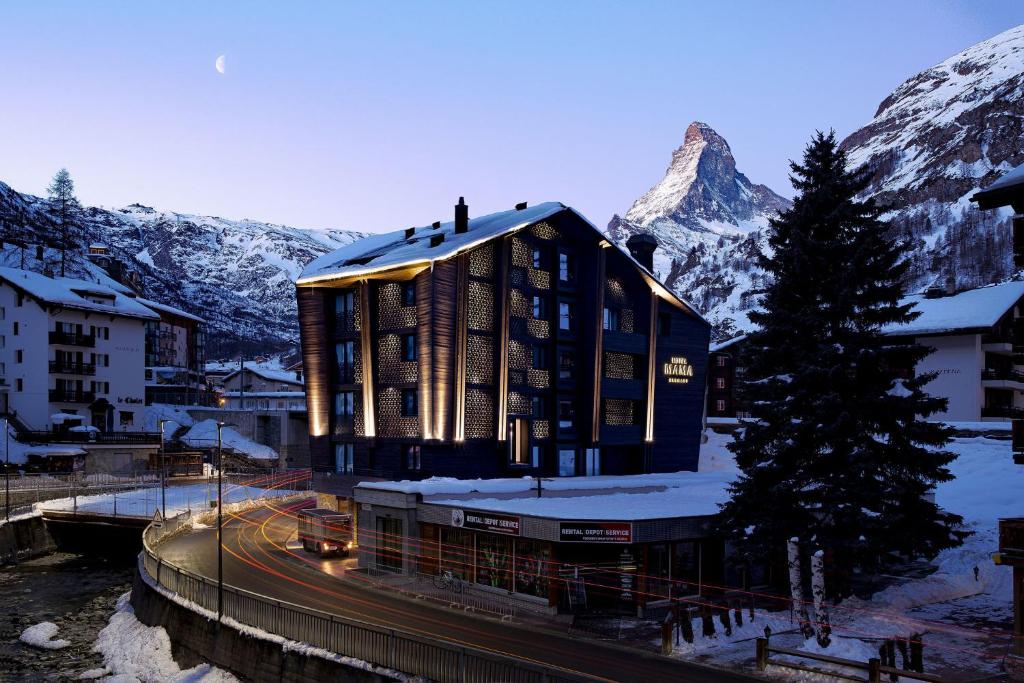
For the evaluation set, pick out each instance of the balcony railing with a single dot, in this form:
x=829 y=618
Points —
x=71 y=396
x=1007 y=374
x=72 y=338
x=91 y=437
x=1002 y=411
x=65 y=367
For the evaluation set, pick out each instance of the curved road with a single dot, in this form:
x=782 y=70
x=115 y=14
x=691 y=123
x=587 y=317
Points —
x=259 y=538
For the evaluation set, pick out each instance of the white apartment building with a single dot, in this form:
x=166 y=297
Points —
x=72 y=352
x=974 y=334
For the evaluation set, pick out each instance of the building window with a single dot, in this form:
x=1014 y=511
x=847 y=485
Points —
x=409 y=403
x=344 y=353
x=567 y=462
x=592 y=462
x=611 y=319
x=19 y=356
x=720 y=405
x=664 y=324
x=537 y=260
x=408 y=293
x=344 y=310
x=412 y=457
x=538 y=408
x=21 y=300
x=535 y=456
x=720 y=361
x=540 y=358
x=566 y=362
x=566 y=414
x=127 y=418
x=15 y=328
x=18 y=385
x=564 y=267
x=519 y=442
x=344 y=458
x=344 y=411
x=539 y=309
x=719 y=383
x=408 y=347
x=565 y=316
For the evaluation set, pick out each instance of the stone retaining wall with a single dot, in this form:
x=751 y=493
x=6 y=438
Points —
x=24 y=538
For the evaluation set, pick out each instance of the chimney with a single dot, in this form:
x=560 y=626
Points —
x=642 y=246
x=435 y=240
x=461 y=216
x=409 y=232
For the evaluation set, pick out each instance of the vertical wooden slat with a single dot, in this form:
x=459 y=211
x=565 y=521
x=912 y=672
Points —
x=461 y=323
x=366 y=350
x=652 y=363
x=315 y=341
x=425 y=304
x=502 y=304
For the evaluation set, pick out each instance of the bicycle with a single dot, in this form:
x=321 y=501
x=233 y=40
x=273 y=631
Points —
x=446 y=580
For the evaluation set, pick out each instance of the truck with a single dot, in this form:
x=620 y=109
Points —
x=325 y=531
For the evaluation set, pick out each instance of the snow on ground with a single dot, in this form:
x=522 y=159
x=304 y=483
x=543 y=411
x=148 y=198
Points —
x=42 y=635
x=204 y=435
x=136 y=653
x=965 y=621
x=144 y=502
x=175 y=415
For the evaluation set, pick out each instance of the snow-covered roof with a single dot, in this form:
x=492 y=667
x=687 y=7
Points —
x=627 y=497
x=721 y=346
x=164 y=308
x=974 y=309
x=267 y=373
x=394 y=250
x=1009 y=179
x=71 y=293
x=265 y=394
x=53 y=450
x=1005 y=190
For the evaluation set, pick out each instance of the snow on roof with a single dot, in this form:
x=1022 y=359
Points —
x=721 y=346
x=627 y=497
x=53 y=450
x=204 y=435
x=71 y=293
x=269 y=373
x=164 y=308
x=395 y=250
x=265 y=394
x=971 y=310
x=1008 y=179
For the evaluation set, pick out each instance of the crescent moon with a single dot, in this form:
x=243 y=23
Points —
x=220 y=64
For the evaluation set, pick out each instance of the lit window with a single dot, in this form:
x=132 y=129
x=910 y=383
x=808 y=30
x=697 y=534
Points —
x=539 y=309
x=719 y=383
x=344 y=458
x=720 y=405
x=566 y=414
x=611 y=319
x=566 y=361
x=536 y=257
x=565 y=316
x=720 y=360
x=412 y=457
x=409 y=403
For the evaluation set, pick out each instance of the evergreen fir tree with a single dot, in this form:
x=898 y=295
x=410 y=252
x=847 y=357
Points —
x=65 y=208
x=837 y=452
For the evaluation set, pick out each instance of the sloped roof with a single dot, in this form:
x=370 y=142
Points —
x=974 y=309
x=67 y=292
x=265 y=373
x=394 y=250
x=1006 y=189
x=164 y=308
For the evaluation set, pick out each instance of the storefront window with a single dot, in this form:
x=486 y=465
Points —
x=684 y=566
x=493 y=560
x=566 y=463
x=658 y=583
x=389 y=540
x=533 y=563
x=457 y=552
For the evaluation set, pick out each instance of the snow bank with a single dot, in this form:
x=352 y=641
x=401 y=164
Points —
x=41 y=636
x=144 y=502
x=176 y=416
x=136 y=653
x=204 y=435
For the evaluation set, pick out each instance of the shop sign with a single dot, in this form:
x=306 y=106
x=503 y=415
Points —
x=595 y=532
x=485 y=521
x=678 y=370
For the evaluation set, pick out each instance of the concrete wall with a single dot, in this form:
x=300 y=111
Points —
x=24 y=538
x=196 y=639
x=958 y=361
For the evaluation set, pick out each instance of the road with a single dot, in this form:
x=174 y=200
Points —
x=260 y=536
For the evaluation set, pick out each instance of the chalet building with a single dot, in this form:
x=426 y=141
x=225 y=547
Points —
x=723 y=363
x=72 y=358
x=253 y=378
x=518 y=343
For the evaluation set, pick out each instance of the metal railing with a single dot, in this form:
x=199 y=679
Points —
x=873 y=668
x=379 y=645
x=138 y=438
x=72 y=338
x=1007 y=374
x=68 y=367
x=71 y=396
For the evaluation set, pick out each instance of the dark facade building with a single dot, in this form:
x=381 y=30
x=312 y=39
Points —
x=723 y=371
x=518 y=343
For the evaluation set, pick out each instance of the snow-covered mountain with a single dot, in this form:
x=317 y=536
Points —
x=237 y=274
x=934 y=141
x=707 y=217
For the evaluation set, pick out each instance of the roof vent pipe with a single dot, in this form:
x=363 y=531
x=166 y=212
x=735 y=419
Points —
x=436 y=240
x=435 y=225
x=409 y=232
x=461 y=216
x=520 y=206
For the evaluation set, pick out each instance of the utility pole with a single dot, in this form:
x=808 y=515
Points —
x=7 y=470
x=220 y=524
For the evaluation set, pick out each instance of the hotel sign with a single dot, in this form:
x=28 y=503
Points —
x=595 y=532
x=678 y=370
x=485 y=521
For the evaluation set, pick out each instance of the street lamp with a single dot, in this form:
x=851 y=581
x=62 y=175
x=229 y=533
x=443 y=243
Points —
x=163 y=468
x=220 y=522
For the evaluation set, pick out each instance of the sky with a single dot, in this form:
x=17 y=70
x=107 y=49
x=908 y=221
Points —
x=378 y=116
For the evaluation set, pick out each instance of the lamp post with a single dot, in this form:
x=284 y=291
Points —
x=220 y=523
x=163 y=469
x=7 y=470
